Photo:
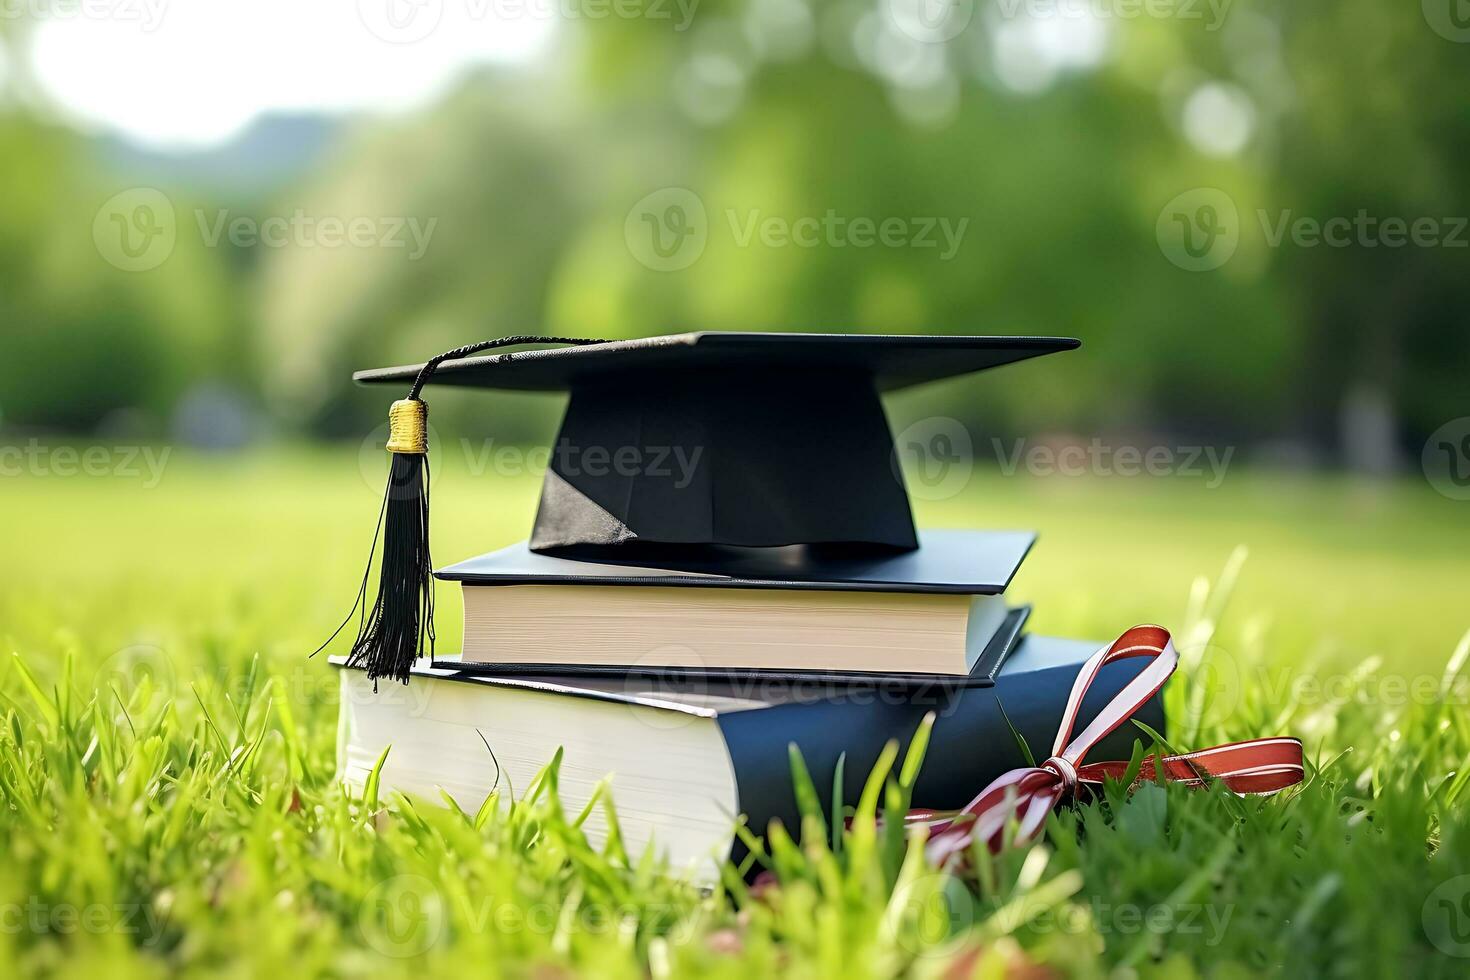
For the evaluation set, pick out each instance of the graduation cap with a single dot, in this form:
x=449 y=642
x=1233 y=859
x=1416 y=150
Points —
x=686 y=445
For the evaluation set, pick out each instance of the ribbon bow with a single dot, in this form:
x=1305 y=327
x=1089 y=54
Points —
x=1258 y=766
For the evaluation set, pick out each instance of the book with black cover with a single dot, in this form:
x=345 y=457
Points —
x=686 y=756
x=950 y=562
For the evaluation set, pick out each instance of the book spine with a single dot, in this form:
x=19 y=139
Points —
x=970 y=745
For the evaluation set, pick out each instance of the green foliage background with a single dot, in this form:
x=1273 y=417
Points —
x=530 y=174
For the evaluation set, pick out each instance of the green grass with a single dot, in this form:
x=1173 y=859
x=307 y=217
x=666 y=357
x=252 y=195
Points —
x=168 y=804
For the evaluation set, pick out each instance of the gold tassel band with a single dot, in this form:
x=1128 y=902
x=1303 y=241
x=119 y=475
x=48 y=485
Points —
x=408 y=427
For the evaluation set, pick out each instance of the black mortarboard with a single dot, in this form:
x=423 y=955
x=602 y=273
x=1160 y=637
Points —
x=680 y=444
x=741 y=439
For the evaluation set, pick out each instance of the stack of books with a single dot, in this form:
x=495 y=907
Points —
x=676 y=639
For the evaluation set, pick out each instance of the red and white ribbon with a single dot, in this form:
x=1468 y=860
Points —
x=1262 y=765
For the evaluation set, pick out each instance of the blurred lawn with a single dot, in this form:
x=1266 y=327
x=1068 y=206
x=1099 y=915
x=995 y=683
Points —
x=202 y=791
x=263 y=551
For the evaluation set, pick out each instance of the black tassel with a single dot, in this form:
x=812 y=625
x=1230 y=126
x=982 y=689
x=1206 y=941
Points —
x=391 y=633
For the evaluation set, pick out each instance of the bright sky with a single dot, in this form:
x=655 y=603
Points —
x=194 y=72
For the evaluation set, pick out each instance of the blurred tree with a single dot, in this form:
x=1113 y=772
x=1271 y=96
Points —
x=84 y=339
x=1033 y=154
x=1377 y=132
x=493 y=188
